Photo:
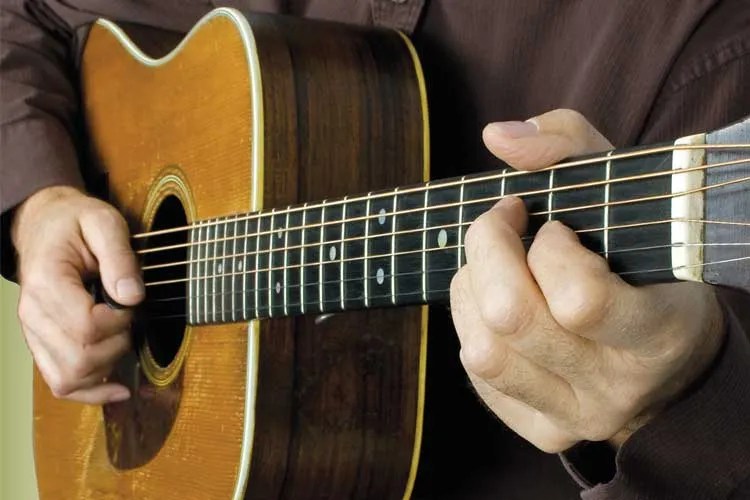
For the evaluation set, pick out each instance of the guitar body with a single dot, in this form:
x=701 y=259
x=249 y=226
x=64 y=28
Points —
x=249 y=113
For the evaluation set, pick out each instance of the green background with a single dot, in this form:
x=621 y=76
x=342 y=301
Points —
x=17 y=479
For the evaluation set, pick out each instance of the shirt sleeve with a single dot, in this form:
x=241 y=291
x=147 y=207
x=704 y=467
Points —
x=40 y=108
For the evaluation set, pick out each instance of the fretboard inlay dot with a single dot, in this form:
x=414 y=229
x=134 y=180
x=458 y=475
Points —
x=278 y=287
x=332 y=253
x=442 y=238
x=380 y=276
x=381 y=216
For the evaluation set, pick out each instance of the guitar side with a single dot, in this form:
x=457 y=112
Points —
x=244 y=114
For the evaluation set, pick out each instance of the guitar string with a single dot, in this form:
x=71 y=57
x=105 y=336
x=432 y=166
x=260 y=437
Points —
x=420 y=292
x=394 y=254
x=239 y=218
x=424 y=230
x=479 y=178
x=446 y=269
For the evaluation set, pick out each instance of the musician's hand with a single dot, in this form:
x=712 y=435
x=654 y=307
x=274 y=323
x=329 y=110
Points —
x=559 y=347
x=64 y=237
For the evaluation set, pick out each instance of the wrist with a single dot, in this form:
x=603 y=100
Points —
x=26 y=212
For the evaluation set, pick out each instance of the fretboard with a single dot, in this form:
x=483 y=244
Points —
x=403 y=246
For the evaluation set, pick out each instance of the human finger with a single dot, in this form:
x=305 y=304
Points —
x=544 y=140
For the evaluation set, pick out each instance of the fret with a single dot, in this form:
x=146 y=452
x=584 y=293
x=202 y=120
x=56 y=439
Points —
x=221 y=268
x=353 y=290
x=409 y=248
x=331 y=267
x=441 y=233
x=286 y=264
x=366 y=273
x=394 y=214
x=262 y=263
x=605 y=217
x=658 y=235
x=303 y=251
x=321 y=257
x=571 y=198
x=460 y=221
x=424 y=242
x=549 y=195
x=212 y=245
x=293 y=261
x=244 y=267
x=503 y=175
x=311 y=272
x=536 y=182
x=487 y=190
x=192 y=278
x=378 y=245
x=205 y=229
x=234 y=262
x=342 y=273
x=276 y=265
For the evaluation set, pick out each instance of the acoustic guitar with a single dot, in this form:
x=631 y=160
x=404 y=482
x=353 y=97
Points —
x=255 y=163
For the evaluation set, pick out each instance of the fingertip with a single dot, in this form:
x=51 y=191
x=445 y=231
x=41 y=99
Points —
x=129 y=290
x=511 y=130
x=119 y=393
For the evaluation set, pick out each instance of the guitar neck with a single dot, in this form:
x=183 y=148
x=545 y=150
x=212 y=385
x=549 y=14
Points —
x=403 y=246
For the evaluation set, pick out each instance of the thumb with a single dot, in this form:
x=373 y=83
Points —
x=106 y=234
x=544 y=140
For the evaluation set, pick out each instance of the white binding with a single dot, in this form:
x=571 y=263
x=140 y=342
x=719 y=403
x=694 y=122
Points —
x=256 y=167
x=687 y=237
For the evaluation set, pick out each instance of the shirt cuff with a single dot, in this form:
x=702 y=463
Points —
x=697 y=448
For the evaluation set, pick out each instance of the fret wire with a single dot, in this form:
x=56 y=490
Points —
x=270 y=264
x=223 y=226
x=257 y=268
x=424 y=244
x=461 y=218
x=234 y=266
x=302 y=262
x=560 y=166
x=286 y=262
x=244 y=268
x=523 y=238
x=549 y=196
x=213 y=282
x=605 y=234
x=205 y=272
x=393 y=246
x=503 y=174
x=522 y=194
x=191 y=288
x=321 y=298
x=366 y=266
x=341 y=267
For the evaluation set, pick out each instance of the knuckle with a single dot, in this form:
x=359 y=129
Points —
x=80 y=366
x=486 y=363
x=507 y=315
x=59 y=385
x=583 y=305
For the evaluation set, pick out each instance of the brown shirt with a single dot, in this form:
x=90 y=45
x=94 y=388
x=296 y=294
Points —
x=641 y=71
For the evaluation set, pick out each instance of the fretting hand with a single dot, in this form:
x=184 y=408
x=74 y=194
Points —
x=558 y=346
x=64 y=237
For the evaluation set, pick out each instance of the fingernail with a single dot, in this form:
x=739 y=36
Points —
x=129 y=288
x=120 y=394
x=514 y=130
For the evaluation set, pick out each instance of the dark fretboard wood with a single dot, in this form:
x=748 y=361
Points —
x=404 y=246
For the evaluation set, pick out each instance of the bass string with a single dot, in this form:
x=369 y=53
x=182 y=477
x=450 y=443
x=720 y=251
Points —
x=439 y=291
x=481 y=178
x=436 y=270
x=246 y=218
x=391 y=254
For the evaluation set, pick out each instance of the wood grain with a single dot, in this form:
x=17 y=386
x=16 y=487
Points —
x=338 y=401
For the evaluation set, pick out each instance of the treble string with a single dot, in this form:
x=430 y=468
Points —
x=315 y=264
x=504 y=174
x=490 y=199
x=443 y=206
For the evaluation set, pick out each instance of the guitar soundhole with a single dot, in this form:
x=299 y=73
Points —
x=163 y=324
x=136 y=429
